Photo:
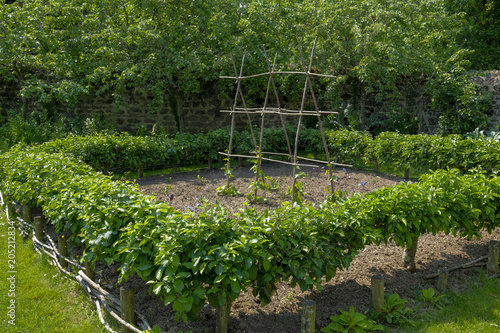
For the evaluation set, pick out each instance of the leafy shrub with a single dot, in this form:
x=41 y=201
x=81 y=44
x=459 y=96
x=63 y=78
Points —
x=350 y=322
x=394 y=310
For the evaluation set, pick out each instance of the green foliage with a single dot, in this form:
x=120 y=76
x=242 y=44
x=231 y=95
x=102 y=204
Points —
x=394 y=310
x=429 y=296
x=351 y=322
x=345 y=143
x=185 y=257
x=58 y=52
x=482 y=31
x=462 y=103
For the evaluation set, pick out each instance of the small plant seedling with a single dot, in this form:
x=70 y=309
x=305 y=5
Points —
x=362 y=185
x=347 y=322
x=166 y=189
x=230 y=190
x=429 y=296
x=394 y=310
x=201 y=180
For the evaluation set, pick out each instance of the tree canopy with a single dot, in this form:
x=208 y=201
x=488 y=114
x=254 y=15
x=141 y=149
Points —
x=58 y=51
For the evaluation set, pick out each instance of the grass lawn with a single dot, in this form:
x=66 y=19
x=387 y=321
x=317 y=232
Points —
x=477 y=309
x=44 y=301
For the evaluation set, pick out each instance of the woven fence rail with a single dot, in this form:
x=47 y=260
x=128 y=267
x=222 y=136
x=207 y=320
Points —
x=102 y=299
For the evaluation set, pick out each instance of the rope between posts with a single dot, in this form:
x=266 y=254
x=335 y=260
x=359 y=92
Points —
x=98 y=295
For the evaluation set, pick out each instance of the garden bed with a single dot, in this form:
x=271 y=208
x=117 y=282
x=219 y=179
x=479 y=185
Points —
x=348 y=288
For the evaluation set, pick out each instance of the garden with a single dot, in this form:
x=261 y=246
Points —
x=187 y=244
x=109 y=144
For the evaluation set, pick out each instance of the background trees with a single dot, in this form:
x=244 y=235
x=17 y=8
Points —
x=391 y=51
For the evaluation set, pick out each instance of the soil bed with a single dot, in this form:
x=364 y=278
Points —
x=348 y=288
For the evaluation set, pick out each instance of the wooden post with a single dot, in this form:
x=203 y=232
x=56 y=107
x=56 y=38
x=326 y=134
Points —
x=27 y=215
x=89 y=271
x=222 y=317
x=11 y=212
x=308 y=317
x=219 y=159
x=63 y=250
x=375 y=165
x=141 y=171
x=240 y=161
x=127 y=307
x=174 y=167
x=38 y=228
x=377 y=292
x=209 y=160
x=493 y=253
x=409 y=255
x=407 y=173
x=442 y=279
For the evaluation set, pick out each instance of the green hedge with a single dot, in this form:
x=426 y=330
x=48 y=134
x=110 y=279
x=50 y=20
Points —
x=425 y=152
x=211 y=253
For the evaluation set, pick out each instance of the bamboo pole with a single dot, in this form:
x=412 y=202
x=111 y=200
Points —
x=271 y=160
x=238 y=83
x=278 y=73
x=238 y=91
x=283 y=126
x=377 y=292
x=279 y=112
x=308 y=317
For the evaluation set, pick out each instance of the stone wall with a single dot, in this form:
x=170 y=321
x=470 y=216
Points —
x=200 y=112
x=491 y=82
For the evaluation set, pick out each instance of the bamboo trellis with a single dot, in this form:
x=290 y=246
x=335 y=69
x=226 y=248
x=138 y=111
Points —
x=263 y=111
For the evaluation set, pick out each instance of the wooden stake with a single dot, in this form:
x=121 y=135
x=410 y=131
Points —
x=38 y=228
x=222 y=317
x=127 y=310
x=308 y=317
x=63 y=250
x=493 y=253
x=174 y=167
x=210 y=165
x=407 y=173
x=442 y=279
x=141 y=171
x=375 y=165
x=11 y=212
x=378 y=292
x=89 y=271
x=240 y=161
x=219 y=159
x=27 y=214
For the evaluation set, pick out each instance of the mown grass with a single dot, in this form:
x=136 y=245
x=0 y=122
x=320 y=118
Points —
x=45 y=301
x=476 y=309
